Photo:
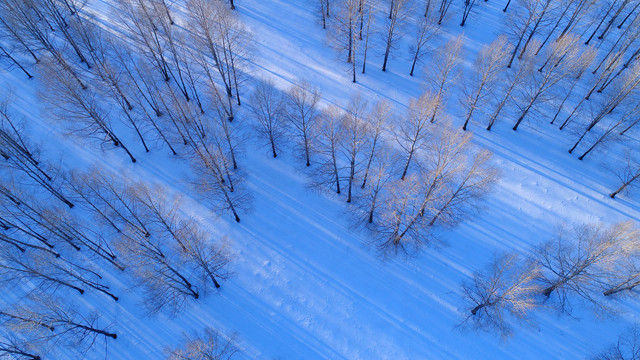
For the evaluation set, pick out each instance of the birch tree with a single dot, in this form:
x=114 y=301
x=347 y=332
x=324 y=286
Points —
x=51 y=320
x=355 y=130
x=268 y=106
x=331 y=135
x=443 y=72
x=504 y=292
x=580 y=260
x=210 y=345
x=398 y=13
x=486 y=74
x=412 y=134
x=378 y=121
x=79 y=109
x=565 y=59
x=23 y=157
x=344 y=36
x=426 y=31
x=161 y=274
x=628 y=174
x=302 y=116
x=627 y=346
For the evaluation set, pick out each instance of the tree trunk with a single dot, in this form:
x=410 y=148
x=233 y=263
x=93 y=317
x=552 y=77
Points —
x=525 y=112
x=506 y=6
x=624 y=185
x=628 y=16
x=406 y=166
x=16 y=62
x=386 y=53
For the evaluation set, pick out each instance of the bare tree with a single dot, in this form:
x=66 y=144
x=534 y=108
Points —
x=443 y=187
x=344 y=35
x=160 y=273
x=614 y=57
x=267 y=106
x=21 y=155
x=512 y=83
x=101 y=47
x=138 y=18
x=213 y=168
x=302 y=115
x=51 y=272
x=614 y=99
x=443 y=9
x=473 y=181
x=63 y=227
x=612 y=131
x=54 y=14
x=443 y=72
x=235 y=47
x=331 y=135
x=378 y=123
x=581 y=10
x=525 y=24
x=580 y=260
x=486 y=74
x=380 y=174
x=573 y=82
x=206 y=257
x=367 y=11
x=20 y=350
x=33 y=29
x=48 y=319
x=466 y=11
x=143 y=92
x=11 y=30
x=177 y=260
x=355 y=139
x=35 y=267
x=398 y=227
x=613 y=18
x=628 y=175
x=182 y=233
x=233 y=137
x=603 y=15
x=626 y=348
x=565 y=59
x=566 y=12
x=412 y=133
x=78 y=108
x=504 y=292
x=205 y=22
x=627 y=276
x=110 y=199
x=399 y=11
x=4 y=53
x=211 y=345
x=629 y=14
x=427 y=30
x=18 y=221
x=27 y=221
x=323 y=15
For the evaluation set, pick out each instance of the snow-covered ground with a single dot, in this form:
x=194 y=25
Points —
x=305 y=284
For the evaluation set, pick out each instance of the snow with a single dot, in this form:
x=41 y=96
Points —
x=305 y=284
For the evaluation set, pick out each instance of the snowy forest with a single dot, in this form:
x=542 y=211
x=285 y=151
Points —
x=319 y=179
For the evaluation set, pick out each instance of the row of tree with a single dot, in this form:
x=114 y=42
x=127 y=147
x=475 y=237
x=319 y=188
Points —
x=405 y=174
x=50 y=251
x=584 y=263
x=550 y=50
x=174 y=86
